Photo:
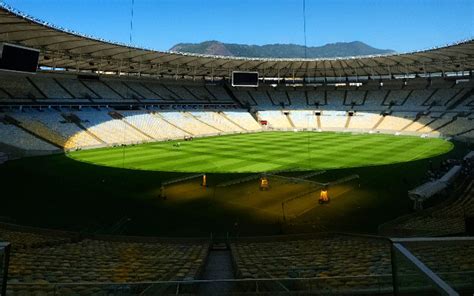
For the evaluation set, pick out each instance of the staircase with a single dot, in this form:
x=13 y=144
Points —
x=77 y=121
x=119 y=116
x=289 y=120
x=218 y=266
x=41 y=132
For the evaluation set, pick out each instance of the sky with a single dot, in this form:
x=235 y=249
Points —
x=400 y=25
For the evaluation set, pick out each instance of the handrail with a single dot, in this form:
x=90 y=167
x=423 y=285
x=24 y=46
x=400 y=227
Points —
x=203 y=281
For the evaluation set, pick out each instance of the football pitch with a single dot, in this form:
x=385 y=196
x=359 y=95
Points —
x=268 y=151
x=94 y=190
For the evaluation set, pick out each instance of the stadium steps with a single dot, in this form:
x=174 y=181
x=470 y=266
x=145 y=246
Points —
x=289 y=120
x=443 y=125
x=65 y=89
x=348 y=121
x=465 y=132
x=253 y=99
x=385 y=98
x=406 y=98
x=270 y=98
x=114 y=91
x=36 y=87
x=288 y=97
x=427 y=124
x=77 y=121
x=117 y=115
x=203 y=122
x=199 y=99
x=429 y=98
x=232 y=96
x=89 y=88
x=410 y=124
x=378 y=122
x=231 y=121
x=454 y=96
x=170 y=123
x=218 y=266
x=18 y=124
x=137 y=129
x=461 y=99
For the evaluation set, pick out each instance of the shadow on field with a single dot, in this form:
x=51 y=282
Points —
x=59 y=192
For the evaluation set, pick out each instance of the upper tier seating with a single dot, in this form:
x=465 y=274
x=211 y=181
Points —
x=335 y=98
x=297 y=98
x=51 y=88
x=261 y=97
x=141 y=91
x=102 y=90
x=219 y=93
x=18 y=89
x=244 y=97
x=316 y=97
x=355 y=97
x=279 y=97
x=201 y=93
x=76 y=88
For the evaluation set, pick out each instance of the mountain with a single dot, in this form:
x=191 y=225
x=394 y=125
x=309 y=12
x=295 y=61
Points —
x=331 y=50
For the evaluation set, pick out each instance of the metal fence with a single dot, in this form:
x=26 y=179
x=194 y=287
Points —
x=4 y=260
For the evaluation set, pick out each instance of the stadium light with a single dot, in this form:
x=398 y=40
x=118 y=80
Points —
x=324 y=196
x=264 y=185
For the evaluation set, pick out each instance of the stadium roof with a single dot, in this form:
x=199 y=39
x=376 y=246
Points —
x=65 y=49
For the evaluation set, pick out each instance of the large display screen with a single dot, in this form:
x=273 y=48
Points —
x=241 y=78
x=18 y=58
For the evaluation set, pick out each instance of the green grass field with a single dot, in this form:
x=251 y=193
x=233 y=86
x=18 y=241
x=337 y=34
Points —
x=269 y=151
x=94 y=194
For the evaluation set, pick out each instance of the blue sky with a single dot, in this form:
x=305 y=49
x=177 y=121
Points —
x=402 y=25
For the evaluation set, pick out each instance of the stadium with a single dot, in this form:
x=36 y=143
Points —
x=131 y=171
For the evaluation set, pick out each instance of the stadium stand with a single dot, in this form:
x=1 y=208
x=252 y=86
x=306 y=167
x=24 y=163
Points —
x=243 y=119
x=349 y=262
x=408 y=110
x=108 y=129
x=275 y=119
x=189 y=123
x=447 y=218
x=17 y=137
x=153 y=125
x=69 y=258
x=304 y=119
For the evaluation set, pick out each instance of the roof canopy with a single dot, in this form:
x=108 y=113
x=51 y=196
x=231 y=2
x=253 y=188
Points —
x=61 y=48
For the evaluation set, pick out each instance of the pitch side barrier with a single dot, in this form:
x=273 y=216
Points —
x=434 y=266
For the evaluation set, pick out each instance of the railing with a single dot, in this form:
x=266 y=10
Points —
x=4 y=262
x=339 y=285
x=433 y=266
